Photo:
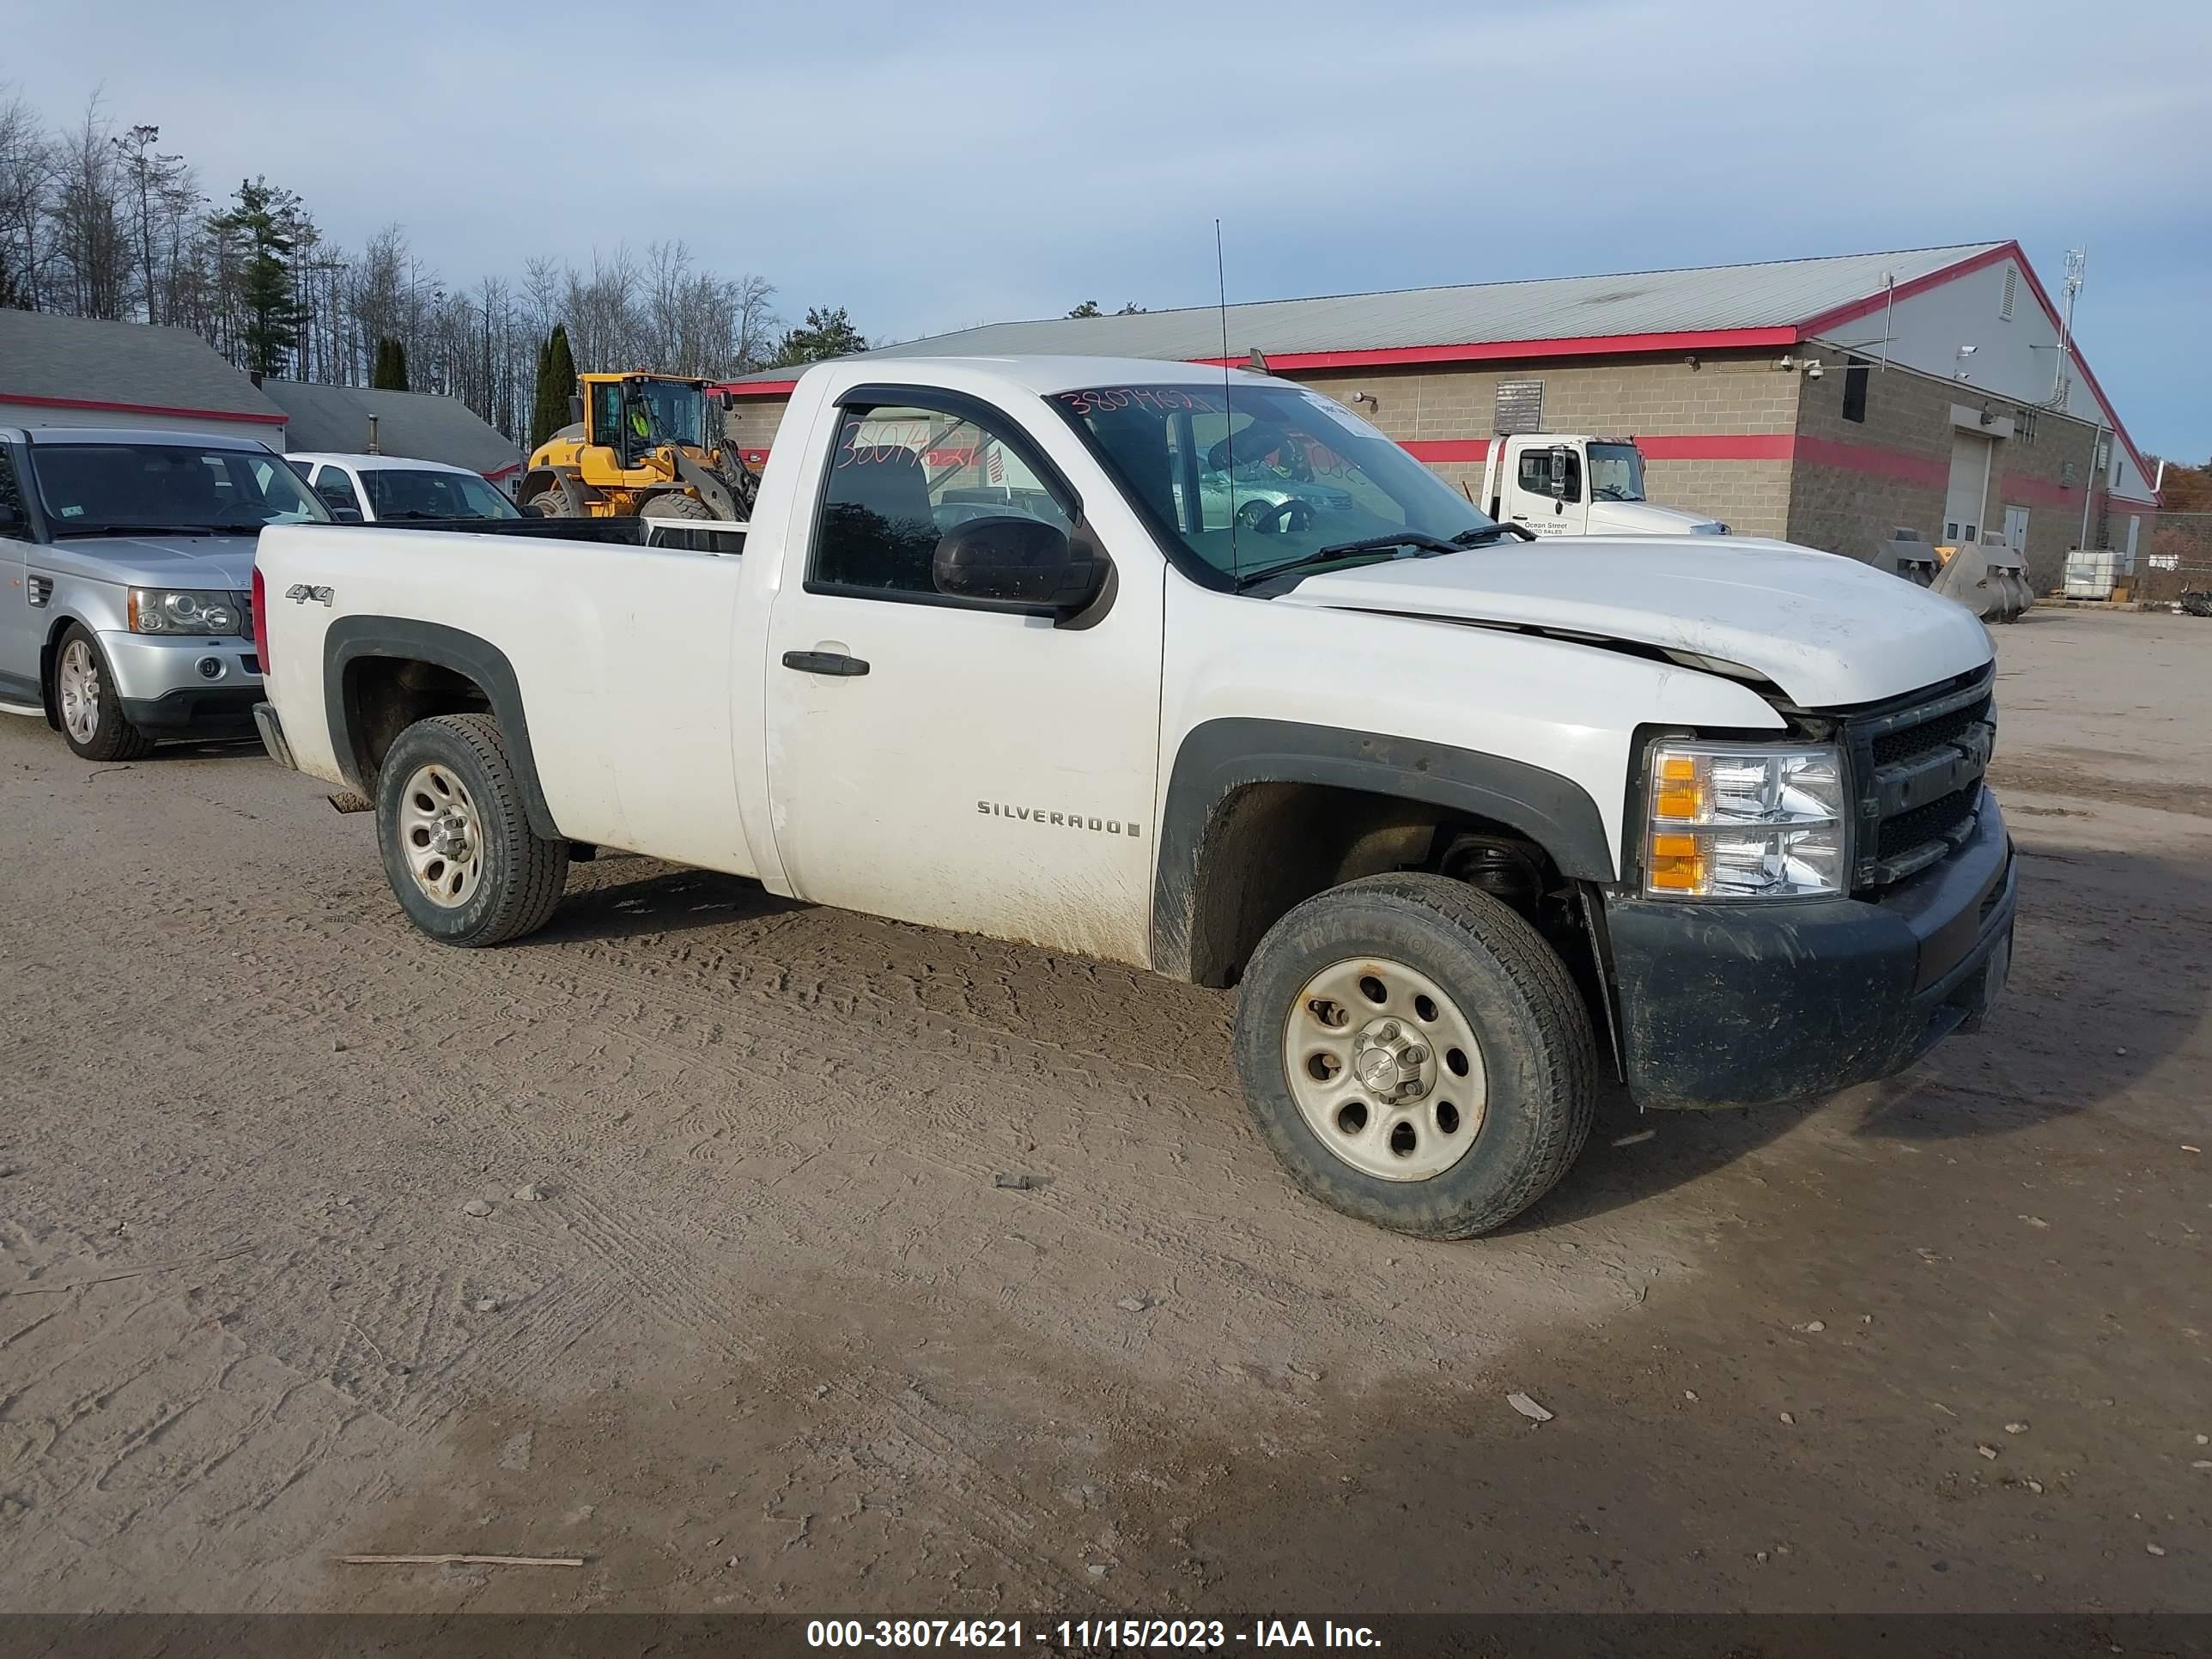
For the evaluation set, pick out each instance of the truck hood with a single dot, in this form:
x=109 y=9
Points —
x=1829 y=631
x=1649 y=519
x=202 y=562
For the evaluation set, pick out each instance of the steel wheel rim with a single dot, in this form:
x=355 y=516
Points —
x=1391 y=1083
x=442 y=835
x=78 y=685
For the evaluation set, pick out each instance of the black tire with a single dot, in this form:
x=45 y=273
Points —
x=548 y=504
x=111 y=736
x=1539 y=1056
x=522 y=874
x=675 y=504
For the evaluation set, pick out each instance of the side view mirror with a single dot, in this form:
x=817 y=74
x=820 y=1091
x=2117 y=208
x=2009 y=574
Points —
x=1559 y=470
x=346 y=514
x=1020 y=564
x=11 y=517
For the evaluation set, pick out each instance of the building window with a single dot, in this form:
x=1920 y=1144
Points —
x=1855 y=390
x=2011 y=292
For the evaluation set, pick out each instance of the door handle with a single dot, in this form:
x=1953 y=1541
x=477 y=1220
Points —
x=836 y=663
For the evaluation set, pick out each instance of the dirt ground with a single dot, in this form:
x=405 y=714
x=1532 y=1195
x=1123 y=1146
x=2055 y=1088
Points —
x=748 y=1324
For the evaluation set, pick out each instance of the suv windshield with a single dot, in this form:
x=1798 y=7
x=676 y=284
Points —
x=88 y=489
x=406 y=493
x=1247 y=477
x=1616 y=472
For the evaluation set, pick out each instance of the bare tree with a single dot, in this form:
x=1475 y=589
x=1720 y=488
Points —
x=151 y=179
x=86 y=213
x=27 y=173
x=106 y=224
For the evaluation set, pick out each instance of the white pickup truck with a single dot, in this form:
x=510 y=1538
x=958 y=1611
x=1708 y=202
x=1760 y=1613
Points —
x=1465 y=822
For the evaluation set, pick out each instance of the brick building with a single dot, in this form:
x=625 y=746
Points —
x=1827 y=401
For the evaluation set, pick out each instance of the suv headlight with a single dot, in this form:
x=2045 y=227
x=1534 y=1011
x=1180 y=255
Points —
x=1745 y=821
x=174 y=611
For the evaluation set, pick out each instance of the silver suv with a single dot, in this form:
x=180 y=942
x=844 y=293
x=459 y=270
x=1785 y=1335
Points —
x=126 y=562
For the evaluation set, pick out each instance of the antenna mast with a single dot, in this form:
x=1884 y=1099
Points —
x=2077 y=266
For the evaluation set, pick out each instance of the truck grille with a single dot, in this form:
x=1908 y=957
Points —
x=1918 y=762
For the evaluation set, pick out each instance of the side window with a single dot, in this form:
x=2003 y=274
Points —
x=1536 y=474
x=903 y=475
x=336 y=489
x=11 y=494
x=1855 y=390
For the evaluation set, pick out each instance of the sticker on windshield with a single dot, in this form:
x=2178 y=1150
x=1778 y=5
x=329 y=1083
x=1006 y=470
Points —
x=1337 y=414
x=72 y=511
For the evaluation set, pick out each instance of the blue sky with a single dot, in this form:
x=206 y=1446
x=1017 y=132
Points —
x=931 y=167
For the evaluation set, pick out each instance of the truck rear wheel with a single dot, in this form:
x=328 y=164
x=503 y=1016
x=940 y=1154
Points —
x=458 y=847
x=674 y=504
x=1416 y=1055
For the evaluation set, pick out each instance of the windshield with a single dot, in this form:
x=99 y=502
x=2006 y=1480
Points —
x=405 y=493
x=1616 y=473
x=88 y=489
x=674 y=413
x=1251 y=476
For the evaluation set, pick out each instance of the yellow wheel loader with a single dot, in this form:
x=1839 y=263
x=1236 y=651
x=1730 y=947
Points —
x=640 y=446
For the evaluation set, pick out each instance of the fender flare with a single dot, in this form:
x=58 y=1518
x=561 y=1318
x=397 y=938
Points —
x=1220 y=756
x=352 y=639
x=567 y=480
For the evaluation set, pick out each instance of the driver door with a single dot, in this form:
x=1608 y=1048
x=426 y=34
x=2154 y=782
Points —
x=943 y=763
x=23 y=618
x=1546 y=493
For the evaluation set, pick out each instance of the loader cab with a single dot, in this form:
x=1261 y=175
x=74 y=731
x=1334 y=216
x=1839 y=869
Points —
x=635 y=415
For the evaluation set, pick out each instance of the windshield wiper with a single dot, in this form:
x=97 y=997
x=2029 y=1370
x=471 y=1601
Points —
x=1491 y=532
x=137 y=530
x=1420 y=539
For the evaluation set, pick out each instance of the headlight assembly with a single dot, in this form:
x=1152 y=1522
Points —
x=1729 y=820
x=177 y=610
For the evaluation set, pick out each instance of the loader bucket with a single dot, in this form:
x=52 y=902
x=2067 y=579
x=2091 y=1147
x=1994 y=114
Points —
x=1990 y=580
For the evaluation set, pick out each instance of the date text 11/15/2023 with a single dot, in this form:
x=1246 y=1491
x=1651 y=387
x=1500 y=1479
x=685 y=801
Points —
x=1086 y=1635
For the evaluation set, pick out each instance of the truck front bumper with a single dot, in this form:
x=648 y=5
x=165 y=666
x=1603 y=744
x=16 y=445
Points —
x=184 y=687
x=1745 y=1005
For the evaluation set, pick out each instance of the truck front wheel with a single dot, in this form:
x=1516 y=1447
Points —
x=1416 y=1055
x=458 y=847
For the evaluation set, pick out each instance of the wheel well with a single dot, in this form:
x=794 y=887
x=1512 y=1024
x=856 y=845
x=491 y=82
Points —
x=1270 y=847
x=49 y=659
x=384 y=696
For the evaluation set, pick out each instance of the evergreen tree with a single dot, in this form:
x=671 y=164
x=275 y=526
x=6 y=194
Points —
x=266 y=219
x=390 y=371
x=556 y=384
x=826 y=334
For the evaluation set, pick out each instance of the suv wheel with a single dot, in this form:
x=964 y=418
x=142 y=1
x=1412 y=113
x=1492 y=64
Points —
x=1416 y=1055
x=93 y=721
